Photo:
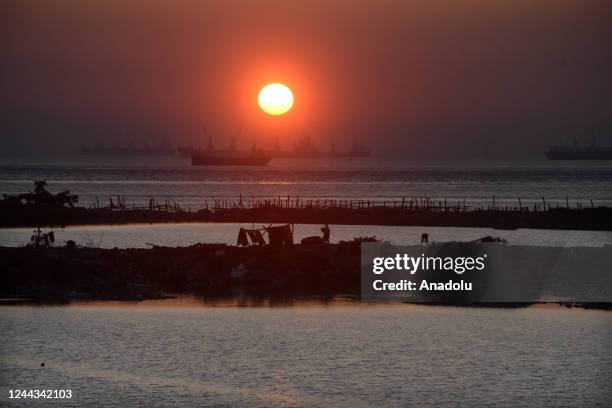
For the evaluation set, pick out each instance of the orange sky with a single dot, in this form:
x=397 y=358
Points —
x=412 y=76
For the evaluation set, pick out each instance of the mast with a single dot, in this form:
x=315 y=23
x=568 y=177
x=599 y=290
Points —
x=211 y=146
x=233 y=142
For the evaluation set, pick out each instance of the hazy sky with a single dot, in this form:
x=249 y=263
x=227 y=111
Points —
x=420 y=77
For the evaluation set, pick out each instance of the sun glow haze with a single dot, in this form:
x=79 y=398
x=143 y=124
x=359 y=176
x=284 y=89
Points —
x=275 y=99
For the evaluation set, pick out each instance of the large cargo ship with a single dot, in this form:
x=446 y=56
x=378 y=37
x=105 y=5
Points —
x=228 y=158
x=578 y=152
x=306 y=149
x=232 y=157
x=358 y=150
x=184 y=151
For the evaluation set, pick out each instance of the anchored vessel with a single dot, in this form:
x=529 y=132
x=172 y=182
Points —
x=255 y=157
x=359 y=150
x=306 y=149
x=232 y=157
x=578 y=152
x=184 y=151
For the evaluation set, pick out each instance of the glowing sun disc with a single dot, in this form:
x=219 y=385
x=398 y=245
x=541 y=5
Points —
x=275 y=99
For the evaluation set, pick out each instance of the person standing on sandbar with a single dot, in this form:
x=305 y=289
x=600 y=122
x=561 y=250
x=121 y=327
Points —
x=326 y=232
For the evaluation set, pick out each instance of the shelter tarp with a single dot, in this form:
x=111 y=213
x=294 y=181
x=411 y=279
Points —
x=280 y=236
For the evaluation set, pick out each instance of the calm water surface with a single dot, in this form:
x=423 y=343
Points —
x=476 y=181
x=140 y=235
x=160 y=354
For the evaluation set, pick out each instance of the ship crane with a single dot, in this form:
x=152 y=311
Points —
x=233 y=142
x=211 y=146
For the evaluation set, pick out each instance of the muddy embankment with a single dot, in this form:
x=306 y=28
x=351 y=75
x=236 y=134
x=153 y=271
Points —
x=64 y=274
x=598 y=218
x=48 y=274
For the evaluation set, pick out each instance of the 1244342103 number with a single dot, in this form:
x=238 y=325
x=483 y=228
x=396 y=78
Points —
x=36 y=394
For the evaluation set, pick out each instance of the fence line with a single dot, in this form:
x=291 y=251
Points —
x=415 y=203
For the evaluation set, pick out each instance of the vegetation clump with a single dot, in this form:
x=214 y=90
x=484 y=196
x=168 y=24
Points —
x=41 y=197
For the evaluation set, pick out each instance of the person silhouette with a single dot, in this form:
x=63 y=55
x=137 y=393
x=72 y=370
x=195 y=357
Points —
x=326 y=232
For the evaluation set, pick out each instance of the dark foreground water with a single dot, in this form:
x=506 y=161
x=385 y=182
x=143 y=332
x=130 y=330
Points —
x=352 y=355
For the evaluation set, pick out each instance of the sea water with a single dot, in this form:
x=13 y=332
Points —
x=315 y=355
x=469 y=182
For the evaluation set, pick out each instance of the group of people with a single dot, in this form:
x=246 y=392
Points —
x=283 y=236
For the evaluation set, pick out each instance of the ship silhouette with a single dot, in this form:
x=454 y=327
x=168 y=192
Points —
x=359 y=150
x=579 y=152
x=305 y=149
x=184 y=151
x=231 y=157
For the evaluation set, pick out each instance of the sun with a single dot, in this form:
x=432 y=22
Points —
x=275 y=99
